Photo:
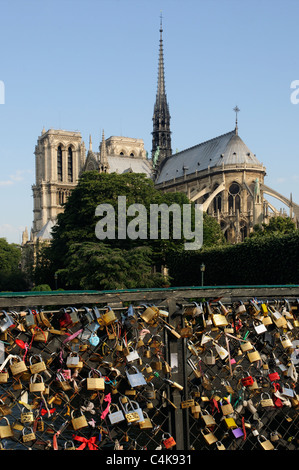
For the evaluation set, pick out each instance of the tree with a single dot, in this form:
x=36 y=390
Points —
x=277 y=226
x=83 y=261
x=11 y=277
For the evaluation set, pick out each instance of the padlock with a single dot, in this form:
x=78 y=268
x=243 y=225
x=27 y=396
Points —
x=150 y=394
x=79 y=422
x=18 y=367
x=220 y=446
x=74 y=317
x=146 y=424
x=209 y=437
x=26 y=416
x=73 y=361
x=265 y=443
x=259 y=326
x=196 y=371
x=149 y=314
x=37 y=367
x=286 y=342
x=109 y=316
x=132 y=407
x=278 y=319
x=4 y=375
x=168 y=441
x=136 y=379
x=227 y=409
x=196 y=408
x=253 y=356
x=30 y=436
x=210 y=359
x=148 y=369
x=35 y=386
x=95 y=383
x=237 y=432
x=41 y=335
x=6 y=321
x=219 y=320
x=156 y=364
x=187 y=403
x=133 y=355
x=5 y=430
x=63 y=383
x=246 y=346
x=240 y=308
x=30 y=318
x=287 y=391
x=230 y=423
x=274 y=376
x=132 y=415
x=207 y=418
x=266 y=402
x=115 y=416
x=69 y=445
x=247 y=381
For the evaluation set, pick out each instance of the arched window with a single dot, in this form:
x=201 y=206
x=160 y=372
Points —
x=70 y=165
x=234 y=200
x=59 y=163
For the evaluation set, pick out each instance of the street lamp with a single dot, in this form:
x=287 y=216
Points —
x=202 y=268
x=55 y=277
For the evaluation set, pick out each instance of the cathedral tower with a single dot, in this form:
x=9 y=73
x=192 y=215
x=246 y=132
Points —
x=161 y=141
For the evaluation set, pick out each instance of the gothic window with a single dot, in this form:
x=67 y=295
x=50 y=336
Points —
x=70 y=165
x=234 y=201
x=59 y=163
x=217 y=200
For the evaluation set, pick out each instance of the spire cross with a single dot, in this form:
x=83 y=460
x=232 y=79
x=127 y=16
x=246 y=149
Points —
x=237 y=110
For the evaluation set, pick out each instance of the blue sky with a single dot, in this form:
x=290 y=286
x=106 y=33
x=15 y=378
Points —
x=90 y=65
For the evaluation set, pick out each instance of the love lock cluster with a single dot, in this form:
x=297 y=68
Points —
x=85 y=378
x=242 y=374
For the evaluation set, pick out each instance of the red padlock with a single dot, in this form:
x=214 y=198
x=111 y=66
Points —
x=247 y=381
x=274 y=376
x=169 y=441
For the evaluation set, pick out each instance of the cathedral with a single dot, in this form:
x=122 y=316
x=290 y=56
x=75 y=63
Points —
x=222 y=173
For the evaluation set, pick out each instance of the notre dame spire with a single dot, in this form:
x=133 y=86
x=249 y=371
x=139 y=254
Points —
x=161 y=143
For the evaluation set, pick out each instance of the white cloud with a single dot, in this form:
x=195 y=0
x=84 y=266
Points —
x=18 y=176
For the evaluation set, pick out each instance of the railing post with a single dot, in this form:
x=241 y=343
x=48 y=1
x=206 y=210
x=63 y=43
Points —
x=176 y=360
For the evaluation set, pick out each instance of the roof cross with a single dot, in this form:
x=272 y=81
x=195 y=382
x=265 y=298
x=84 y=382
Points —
x=237 y=110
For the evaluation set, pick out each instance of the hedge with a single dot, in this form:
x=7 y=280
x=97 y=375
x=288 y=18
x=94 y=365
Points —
x=267 y=260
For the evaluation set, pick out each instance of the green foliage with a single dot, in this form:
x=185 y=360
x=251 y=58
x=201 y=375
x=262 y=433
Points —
x=12 y=279
x=277 y=226
x=259 y=260
x=41 y=288
x=83 y=261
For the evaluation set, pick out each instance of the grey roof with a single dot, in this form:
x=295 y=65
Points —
x=122 y=164
x=227 y=149
x=45 y=232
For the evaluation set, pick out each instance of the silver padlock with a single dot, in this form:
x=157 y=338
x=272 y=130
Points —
x=5 y=321
x=136 y=379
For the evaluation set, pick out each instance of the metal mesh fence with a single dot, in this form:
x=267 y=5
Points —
x=242 y=377
x=80 y=370
x=200 y=375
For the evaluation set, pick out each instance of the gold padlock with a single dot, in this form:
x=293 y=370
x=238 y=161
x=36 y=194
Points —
x=35 y=386
x=146 y=424
x=95 y=383
x=79 y=422
x=29 y=436
x=37 y=367
x=132 y=417
x=5 y=430
x=18 y=367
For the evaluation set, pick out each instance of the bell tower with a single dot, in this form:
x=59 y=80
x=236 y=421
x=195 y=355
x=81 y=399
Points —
x=161 y=135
